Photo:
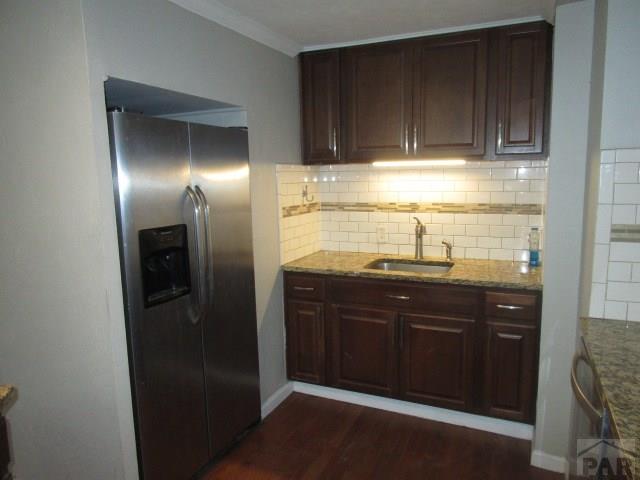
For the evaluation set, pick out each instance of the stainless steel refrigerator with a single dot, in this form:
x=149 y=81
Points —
x=184 y=224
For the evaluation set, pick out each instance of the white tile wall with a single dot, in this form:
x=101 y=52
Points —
x=615 y=291
x=494 y=236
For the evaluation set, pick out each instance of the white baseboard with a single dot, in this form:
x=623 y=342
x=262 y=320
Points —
x=549 y=462
x=276 y=399
x=478 y=422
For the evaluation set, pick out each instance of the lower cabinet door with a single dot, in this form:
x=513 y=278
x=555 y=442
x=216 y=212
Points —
x=305 y=341
x=510 y=371
x=437 y=360
x=363 y=349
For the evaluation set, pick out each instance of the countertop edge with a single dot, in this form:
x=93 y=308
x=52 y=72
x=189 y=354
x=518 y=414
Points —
x=411 y=278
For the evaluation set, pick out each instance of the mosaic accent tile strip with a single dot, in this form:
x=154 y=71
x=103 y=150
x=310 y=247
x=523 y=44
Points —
x=478 y=208
x=625 y=233
x=294 y=210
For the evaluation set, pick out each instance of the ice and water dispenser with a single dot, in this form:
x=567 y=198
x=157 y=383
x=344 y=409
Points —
x=164 y=254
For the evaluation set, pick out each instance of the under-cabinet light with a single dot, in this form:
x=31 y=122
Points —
x=447 y=162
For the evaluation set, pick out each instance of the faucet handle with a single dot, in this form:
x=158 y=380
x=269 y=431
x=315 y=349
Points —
x=417 y=220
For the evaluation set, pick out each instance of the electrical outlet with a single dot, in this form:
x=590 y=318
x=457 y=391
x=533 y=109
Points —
x=381 y=234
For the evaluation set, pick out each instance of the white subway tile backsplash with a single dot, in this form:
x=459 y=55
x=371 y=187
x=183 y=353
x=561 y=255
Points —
x=499 y=231
x=627 y=173
x=624 y=214
x=624 y=252
x=600 y=262
x=619 y=272
x=627 y=193
x=623 y=291
x=478 y=197
x=489 y=242
x=633 y=312
x=603 y=223
x=503 y=197
x=605 y=193
x=635 y=273
x=615 y=310
x=477 y=230
x=357 y=230
x=608 y=156
x=501 y=254
x=628 y=155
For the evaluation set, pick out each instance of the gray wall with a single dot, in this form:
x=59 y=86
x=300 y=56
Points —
x=621 y=115
x=63 y=339
x=568 y=173
x=54 y=333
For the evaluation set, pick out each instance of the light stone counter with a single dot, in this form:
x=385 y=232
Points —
x=480 y=273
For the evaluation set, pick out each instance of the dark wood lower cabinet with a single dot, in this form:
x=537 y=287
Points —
x=305 y=341
x=437 y=360
x=462 y=348
x=363 y=349
x=510 y=371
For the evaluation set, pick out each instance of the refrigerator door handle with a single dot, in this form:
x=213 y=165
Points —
x=196 y=304
x=208 y=242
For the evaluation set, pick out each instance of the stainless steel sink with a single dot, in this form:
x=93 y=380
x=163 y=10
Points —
x=419 y=266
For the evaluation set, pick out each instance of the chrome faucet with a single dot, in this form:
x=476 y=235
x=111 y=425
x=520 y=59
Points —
x=420 y=231
x=449 y=247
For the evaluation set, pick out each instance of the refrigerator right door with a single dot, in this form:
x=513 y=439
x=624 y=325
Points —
x=220 y=168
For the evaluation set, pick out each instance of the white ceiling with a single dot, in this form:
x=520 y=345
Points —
x=291 y=25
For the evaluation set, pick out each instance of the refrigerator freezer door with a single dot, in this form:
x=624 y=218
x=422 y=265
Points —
x=220 y=168
x=151 y=172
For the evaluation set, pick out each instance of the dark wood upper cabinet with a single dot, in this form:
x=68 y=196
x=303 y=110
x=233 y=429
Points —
x=363 y=349
x=482 y=94
x=437 y=360
x=378 y=101
x=450 y=95
x=521 y=88
x=305 y=341
x=320 y=78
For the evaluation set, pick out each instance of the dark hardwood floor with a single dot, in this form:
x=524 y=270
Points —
x=314 y=438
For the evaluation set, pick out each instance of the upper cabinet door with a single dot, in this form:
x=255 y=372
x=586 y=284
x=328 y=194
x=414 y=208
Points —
x=522 y=76
x=321 y=106
x=378 y=97
x=450 y=95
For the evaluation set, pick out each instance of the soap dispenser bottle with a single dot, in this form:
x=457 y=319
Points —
x=534 y=247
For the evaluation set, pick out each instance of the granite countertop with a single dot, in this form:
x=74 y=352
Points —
x=481 y=273
x=614 y=348
x=8 y=395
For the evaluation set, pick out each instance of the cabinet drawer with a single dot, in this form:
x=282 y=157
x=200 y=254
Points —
x=304 y=287
x=514 y=306
x=433 y=299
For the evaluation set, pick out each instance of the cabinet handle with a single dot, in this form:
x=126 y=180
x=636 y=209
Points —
x=406 y=139
x=304 y=289
x=593 y=413
x=509 y=307
x=334 y=147
x=397 y=297
x=415 y=140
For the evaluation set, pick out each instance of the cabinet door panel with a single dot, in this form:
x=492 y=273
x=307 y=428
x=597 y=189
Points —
x=363 y=348
x=522 y=75
x=437 y=360
x=378 y=101
x=321 y=106
x=450 y=95
x=305 y=341
x=510 y=371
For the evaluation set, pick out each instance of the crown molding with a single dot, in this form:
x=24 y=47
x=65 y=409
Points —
x=229 y=18
x=424 y=33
